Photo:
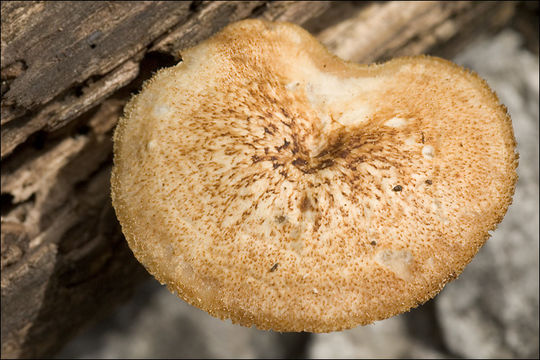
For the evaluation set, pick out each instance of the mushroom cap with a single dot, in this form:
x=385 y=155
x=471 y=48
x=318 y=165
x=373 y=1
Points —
x=265 y=180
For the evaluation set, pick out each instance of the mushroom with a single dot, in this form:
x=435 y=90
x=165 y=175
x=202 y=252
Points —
x=266 y=181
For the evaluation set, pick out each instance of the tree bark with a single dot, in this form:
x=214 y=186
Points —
x=67 y=70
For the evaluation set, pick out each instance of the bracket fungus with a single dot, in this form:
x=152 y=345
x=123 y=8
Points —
x=265 y=180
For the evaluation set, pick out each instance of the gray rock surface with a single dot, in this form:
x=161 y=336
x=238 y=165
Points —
x=391 y=338
x=156 y=324
x=492 y=309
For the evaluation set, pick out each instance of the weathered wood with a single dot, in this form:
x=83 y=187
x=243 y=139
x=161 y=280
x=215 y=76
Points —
x=67 y=71
x=380 y=31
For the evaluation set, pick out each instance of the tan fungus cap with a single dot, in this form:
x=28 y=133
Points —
x=264 y=180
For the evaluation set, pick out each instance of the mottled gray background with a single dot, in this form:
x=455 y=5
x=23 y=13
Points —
x=491 y=311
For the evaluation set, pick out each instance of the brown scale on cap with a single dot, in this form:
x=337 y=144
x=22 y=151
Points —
x=370 y=186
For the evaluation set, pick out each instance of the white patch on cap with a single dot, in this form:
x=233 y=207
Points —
x=398 y=261
x=410 y=141
x=395 y=122
x=428 y=151
x=328 y=93
x=436 y=205
x=292 y=85
x=151 y=145
x=294 y=37
x=356 y=116
x=161 y=110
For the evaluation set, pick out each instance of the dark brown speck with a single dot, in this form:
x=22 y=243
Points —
x=284 y=146
x=274 y=267
x=280 y=219
x=305 y=204
x=299 y=162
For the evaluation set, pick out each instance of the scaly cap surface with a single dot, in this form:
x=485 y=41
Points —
x=267 y=181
